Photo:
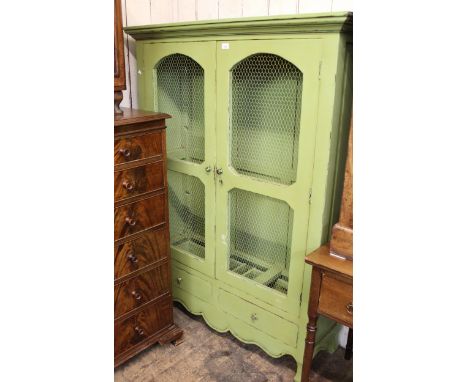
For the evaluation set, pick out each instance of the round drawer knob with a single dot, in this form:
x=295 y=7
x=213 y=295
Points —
x=136 y=295
x=179 y=280
x=129 y=186
x=125 y=152
x=139 y=330
x=131 y=256
x=219 y=171
x=349 y=308
x=130 y=221
x=253 y=317
x=208 y=169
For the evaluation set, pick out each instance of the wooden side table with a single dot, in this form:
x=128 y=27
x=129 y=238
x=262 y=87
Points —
x=331 y=295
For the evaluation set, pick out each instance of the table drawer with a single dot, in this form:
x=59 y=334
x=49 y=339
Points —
x=140 y=289
x=336 y=299
x=138 y=180
x=127 y=150
x=267 y=322
x=142 y=325
x=135 y=217
x=141 y=252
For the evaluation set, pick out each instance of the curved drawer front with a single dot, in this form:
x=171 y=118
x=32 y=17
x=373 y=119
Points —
x=141 y=252
x=128 y=150
x=135 y=217
x=138 y=181
x=265 y=321
x=133 y=330
x=336 y=299
x=140 y=289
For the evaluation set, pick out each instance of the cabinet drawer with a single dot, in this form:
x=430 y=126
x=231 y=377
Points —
x=138 y=216
x=140 y=289
x=142 y=325
x=191 y=284
x=336 y=299
x=259 y=318
x=127 y=150
x=139 y=253
x=138 y=180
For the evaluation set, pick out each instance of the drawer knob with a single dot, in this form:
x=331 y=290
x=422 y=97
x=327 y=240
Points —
x=131 y=256
x=129 y=186
x=179 y=280
x=208 y=169
x=253 y=317
x=136 y=295
x=125 y=152
x=139 y=330
x=219 y=171
x=130 y=221
x=349 y=308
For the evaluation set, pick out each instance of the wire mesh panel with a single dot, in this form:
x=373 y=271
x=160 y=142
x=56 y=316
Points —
x=180 y=93
x=187 y=213
x=266 y=93
x=260 y=238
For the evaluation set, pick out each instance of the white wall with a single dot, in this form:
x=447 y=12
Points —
x=141 y=12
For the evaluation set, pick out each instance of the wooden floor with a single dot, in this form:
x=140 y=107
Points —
x=209 y=356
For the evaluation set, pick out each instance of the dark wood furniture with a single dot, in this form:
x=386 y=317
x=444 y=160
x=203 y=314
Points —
x=119 y=59
x=331 y=290
x=142 y=277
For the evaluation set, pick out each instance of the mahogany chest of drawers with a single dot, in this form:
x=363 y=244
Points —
x=142 y=281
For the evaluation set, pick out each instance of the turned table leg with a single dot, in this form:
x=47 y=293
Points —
x=312 y=325
x=349 y=345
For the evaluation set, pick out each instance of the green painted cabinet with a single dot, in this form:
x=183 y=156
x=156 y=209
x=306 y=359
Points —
x=256 y=148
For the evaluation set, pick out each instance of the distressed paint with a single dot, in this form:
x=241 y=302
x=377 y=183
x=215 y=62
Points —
x=319 y=149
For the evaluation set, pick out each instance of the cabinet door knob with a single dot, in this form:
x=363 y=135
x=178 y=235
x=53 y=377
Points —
x=136 y=295
x=179 y=280
x=253 y=317
x=131 y=256
x=128 y=185
x=349 y=308
x=139 y=330
x=130 y=221
x=208 y=169
x=125 y=152
x=219 y=171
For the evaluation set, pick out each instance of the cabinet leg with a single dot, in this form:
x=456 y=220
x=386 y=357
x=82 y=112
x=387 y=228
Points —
x=349 y=345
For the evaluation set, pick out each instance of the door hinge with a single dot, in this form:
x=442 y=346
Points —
x=320 y=71
x=310 y=195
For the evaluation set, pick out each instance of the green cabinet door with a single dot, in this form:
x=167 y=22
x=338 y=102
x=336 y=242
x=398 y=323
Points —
x=183 y=78
x=266 y=124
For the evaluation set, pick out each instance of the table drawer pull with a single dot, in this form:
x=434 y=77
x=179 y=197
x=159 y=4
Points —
x=349 y=308
x=130 y=221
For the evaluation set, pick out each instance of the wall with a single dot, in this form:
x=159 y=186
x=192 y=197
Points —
x=141 y=12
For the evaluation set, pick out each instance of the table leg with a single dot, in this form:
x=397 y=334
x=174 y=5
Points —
x=312 y=324
x=349 y=345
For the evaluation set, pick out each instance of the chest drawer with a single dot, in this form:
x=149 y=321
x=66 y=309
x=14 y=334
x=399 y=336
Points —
x=138 y=180
x=138 y=216
x=139 y=253
x=336 y=299
x=141 y=326
x=140 y=289
x=127 y=150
